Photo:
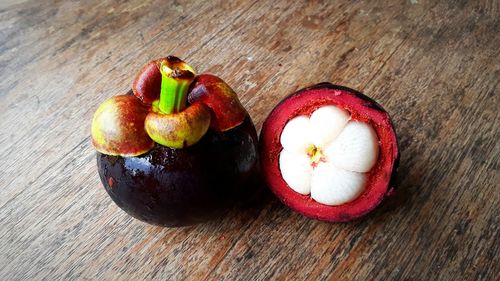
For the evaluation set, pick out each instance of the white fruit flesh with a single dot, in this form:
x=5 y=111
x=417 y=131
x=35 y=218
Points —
x=355 y=149
x=296 y=170
x=334 y=186
x=295 y=135
x=326 y=123
x=328 y=155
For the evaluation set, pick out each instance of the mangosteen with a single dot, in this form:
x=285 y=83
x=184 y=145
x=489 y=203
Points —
x=178 y=151
x=329 y=152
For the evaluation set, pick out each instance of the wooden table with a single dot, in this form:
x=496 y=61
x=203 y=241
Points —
x=434 y=65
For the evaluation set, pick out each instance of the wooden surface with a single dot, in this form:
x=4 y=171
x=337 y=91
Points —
x=434 y=65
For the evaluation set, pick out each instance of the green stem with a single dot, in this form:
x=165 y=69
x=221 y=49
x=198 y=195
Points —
x=174 y=89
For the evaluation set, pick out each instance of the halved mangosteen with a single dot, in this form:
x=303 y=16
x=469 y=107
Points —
x=178 y=151
x=329 y=152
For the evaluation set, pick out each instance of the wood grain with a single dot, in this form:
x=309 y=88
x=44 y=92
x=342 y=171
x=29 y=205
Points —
x=434 y=65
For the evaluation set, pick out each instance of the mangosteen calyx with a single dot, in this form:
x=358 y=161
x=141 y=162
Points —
x=163 y=113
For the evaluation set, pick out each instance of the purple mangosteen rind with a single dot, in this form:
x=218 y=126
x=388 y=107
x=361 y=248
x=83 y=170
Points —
x=179 y=187
x=381 y=177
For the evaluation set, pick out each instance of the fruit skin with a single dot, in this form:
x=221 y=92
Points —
x=362 y=108
x=147 y=83
x=177 y=187
x=181 y=129
x=118 y=127
x=227 y=111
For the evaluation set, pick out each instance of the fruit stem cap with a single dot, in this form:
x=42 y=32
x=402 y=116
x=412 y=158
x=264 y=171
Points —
x=176 y=76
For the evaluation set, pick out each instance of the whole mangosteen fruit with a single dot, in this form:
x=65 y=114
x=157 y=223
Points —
x=329 y=152
x=178 y=151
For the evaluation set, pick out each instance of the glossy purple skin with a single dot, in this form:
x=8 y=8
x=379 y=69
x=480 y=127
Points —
x=176 y=187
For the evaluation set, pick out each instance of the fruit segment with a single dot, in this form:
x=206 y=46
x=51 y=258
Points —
x=327 y=155
x=326 y=124
x=295 y=135
x=355 y=149
x=296 y=170
x=334 y=186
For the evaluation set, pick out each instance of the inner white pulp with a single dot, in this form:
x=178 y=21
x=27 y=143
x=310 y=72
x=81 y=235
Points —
x=328 y=155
